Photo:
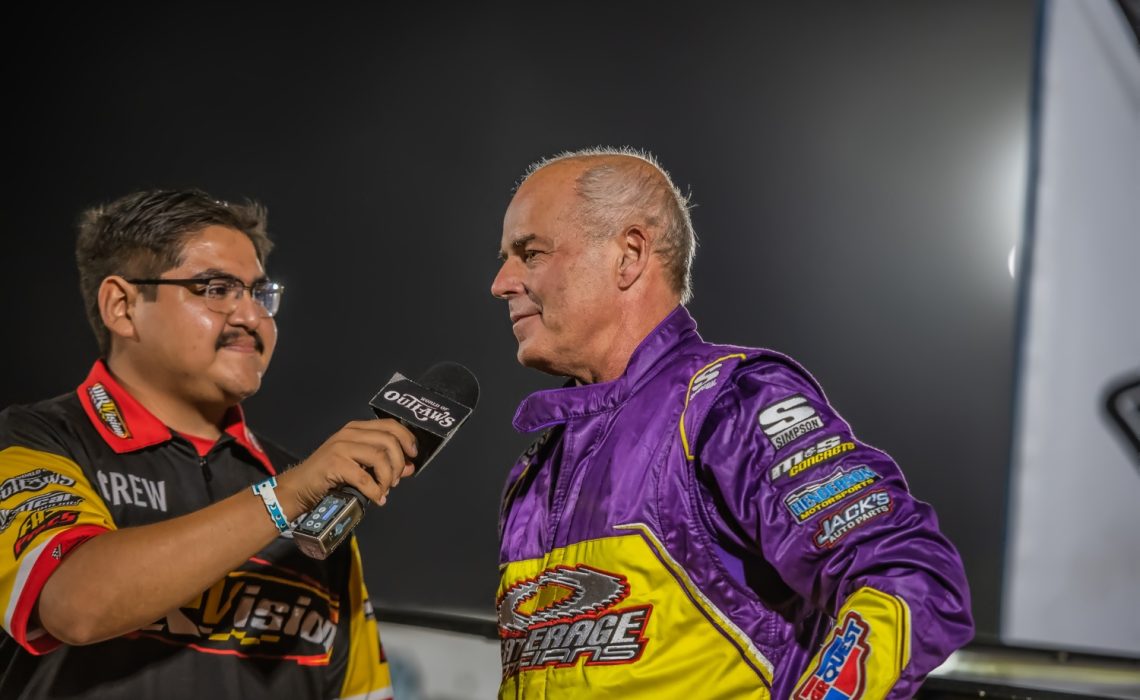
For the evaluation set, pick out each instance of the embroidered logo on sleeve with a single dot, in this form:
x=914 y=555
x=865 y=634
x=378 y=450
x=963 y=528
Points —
x=842 y=670
x=786 y=420
x=35 y=480
x=808 y=457
x=819 y=495
x=35 y=524
x=837 y=525
x=47 y=501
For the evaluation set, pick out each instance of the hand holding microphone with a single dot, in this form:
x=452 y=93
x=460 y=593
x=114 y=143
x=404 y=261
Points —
x=366 y=458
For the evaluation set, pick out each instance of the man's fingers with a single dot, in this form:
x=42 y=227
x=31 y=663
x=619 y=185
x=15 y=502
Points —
x=382 y=464
x=370 y=455
x=369 y=430
x=353 y=475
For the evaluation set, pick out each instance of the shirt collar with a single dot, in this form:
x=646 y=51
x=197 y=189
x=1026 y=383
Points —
x=551 y=406
x=127 y=426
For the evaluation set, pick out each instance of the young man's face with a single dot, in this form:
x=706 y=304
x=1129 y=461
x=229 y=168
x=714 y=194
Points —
x=559 y=285
x=192 y=352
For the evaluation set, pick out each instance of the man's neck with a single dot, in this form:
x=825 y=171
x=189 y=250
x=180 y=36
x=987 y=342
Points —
x=637 y=323
x=176 y=413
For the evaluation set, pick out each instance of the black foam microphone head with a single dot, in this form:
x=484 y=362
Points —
x=454 y=381
x=432 y=409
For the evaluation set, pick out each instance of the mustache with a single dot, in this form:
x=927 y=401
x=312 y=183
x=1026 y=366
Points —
x=231 y=337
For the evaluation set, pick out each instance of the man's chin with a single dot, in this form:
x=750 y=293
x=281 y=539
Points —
x=241 y=387
x=532 y=358
x=527 y=353
x=241 y=376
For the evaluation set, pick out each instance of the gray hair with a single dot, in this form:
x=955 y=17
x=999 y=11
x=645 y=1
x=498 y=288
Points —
x=627 y=181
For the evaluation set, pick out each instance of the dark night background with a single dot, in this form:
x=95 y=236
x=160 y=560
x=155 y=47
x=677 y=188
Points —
x=857 y=170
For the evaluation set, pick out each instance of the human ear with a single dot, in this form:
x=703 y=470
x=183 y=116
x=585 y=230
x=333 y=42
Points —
x=116 y=306
x=634 y=255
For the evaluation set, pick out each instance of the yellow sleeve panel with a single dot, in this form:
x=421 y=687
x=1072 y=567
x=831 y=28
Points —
x=47 y=506
x=866 y=651
x=367 y=676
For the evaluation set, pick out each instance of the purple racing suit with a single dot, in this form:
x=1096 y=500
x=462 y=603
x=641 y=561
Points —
x=707 y=526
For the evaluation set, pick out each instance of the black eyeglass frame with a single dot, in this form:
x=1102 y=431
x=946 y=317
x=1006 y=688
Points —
x=275 y=288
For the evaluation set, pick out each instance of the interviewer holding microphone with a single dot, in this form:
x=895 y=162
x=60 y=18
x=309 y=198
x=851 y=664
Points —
x=145 y=543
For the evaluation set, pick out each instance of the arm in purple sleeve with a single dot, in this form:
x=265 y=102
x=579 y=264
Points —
x=834 y=517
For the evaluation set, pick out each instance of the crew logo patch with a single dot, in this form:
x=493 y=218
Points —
x=38 y=523
x=835 y=526
x=35 y=480
x=107 y=411
x=841 y=673
x=786 y=420
x=820 y=495
x=566 y=613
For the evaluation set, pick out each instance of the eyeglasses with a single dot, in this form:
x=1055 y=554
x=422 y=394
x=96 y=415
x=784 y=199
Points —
x=222 y=294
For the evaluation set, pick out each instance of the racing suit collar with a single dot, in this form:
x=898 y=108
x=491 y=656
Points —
x=549 y=407
x=127 y=426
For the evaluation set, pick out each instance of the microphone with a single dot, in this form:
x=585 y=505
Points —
x=432 y=409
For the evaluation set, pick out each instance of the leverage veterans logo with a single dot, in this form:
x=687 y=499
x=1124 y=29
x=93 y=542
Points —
x=566 y=613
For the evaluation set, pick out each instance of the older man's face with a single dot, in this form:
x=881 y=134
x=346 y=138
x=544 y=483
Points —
x=560 y=287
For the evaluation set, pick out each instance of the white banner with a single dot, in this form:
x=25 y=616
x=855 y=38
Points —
x=1073 y=561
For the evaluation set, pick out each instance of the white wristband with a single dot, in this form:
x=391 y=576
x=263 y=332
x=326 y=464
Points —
x=269 y=497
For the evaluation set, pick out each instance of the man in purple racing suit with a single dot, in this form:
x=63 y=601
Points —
x=694 y=520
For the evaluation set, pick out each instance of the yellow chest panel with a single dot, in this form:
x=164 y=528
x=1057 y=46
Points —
x=617 y=617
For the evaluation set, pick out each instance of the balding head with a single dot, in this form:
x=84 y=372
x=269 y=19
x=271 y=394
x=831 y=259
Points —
x=595 y=249
x=620 y=187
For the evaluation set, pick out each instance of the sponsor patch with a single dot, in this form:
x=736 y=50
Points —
x=787 y=420
x=47 y=501
x=806 y=458
x=835 y=526
x=566 y=613
x=841 y=673
x=35 y=480
x=36 y=524
x=267 y=613
x=820 y=495
x=705 y=379
x=107 y=411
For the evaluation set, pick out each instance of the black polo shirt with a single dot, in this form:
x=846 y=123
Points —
x=282 y=625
